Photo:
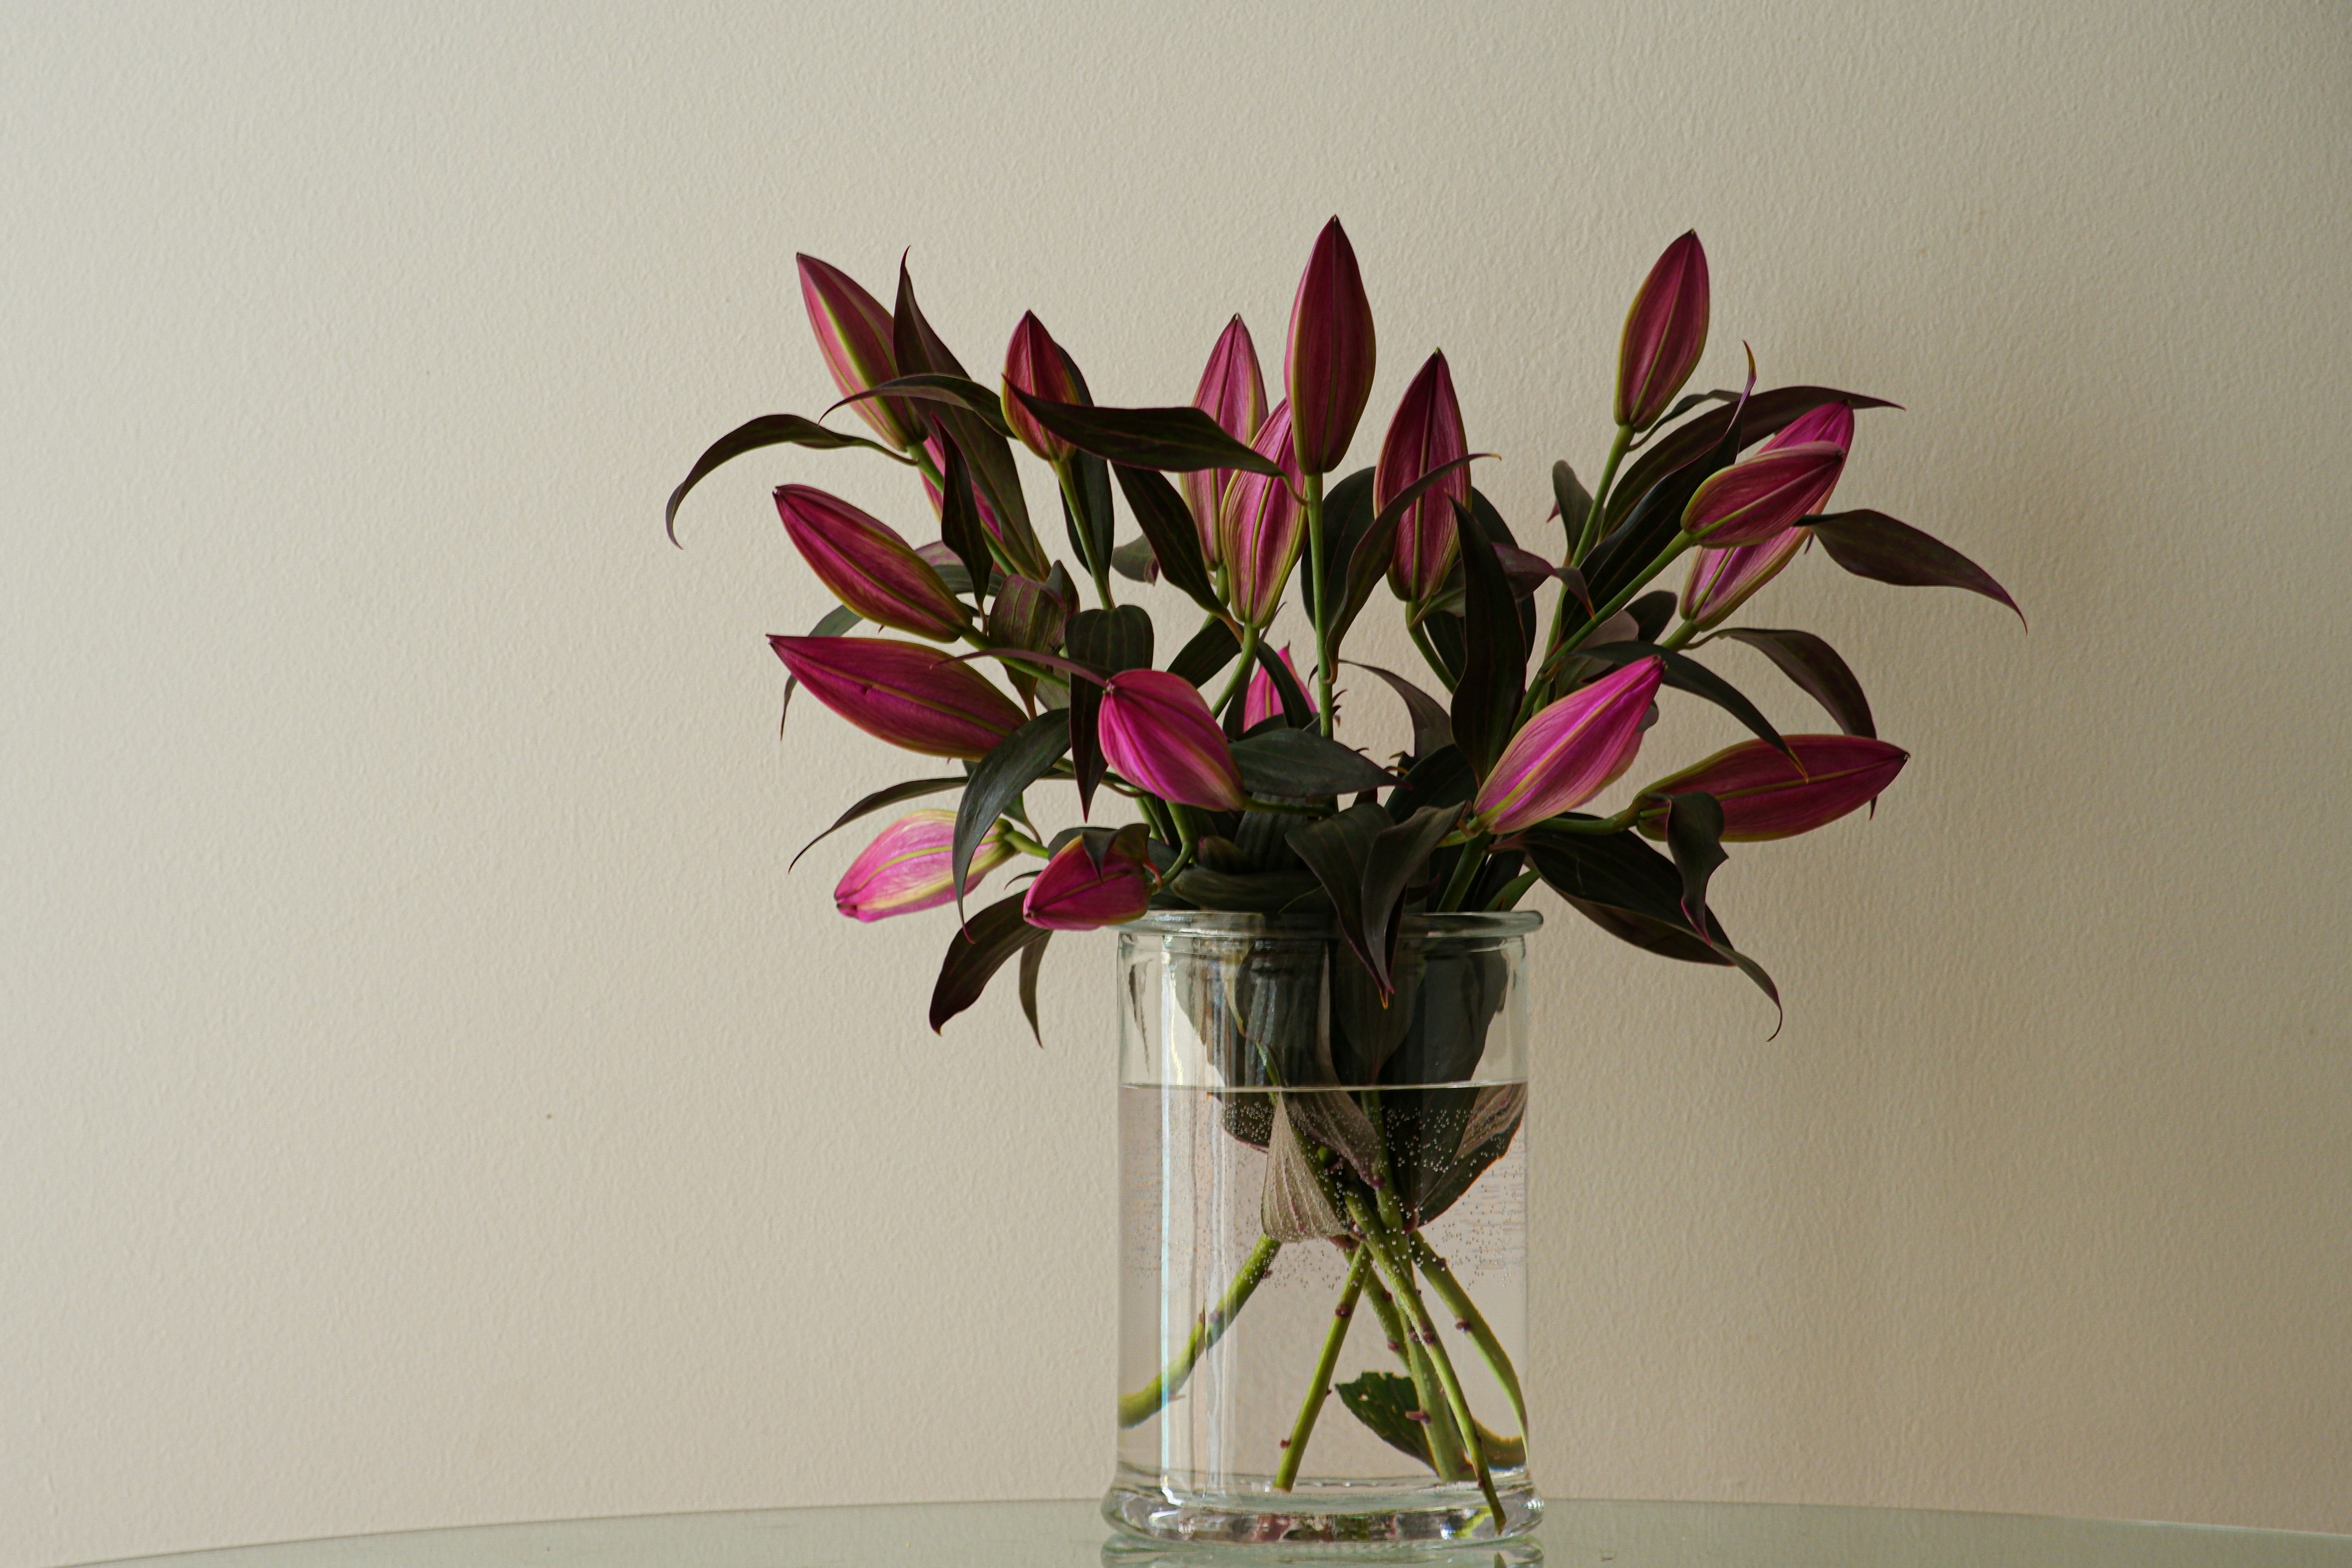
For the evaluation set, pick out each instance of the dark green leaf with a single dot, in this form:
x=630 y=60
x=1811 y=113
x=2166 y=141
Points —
x=917 y=348
x=1650 y=613
x=1695 y=834
x=1018 y=761
x=1032 y=959
x=768 y=431
x=939 y=388
x=876 y=802
x=1394 y=864
x=1300 y=764
x=1818 y=671
x=1441 y=778
x=1175 y=538
x=1386 y=1404
x=1766 y=415
x=1173 y=440
x=959 y=524
x=919 y=352
x=1572 y=499
x=841 y=618
x=1298 y=711
x=1211 y=648
x=1107 y=641
x=976 y=951
x=1650 y=523
x=1025 y=614
x=1432 y=729
x=1445 y=636
x=1874 y=545
x=1494 y=663
x=1136 y=562
x=1368 y=558
x=1684 y=673
x=1336 y=849
x=1636 y=894
x=1255 y=893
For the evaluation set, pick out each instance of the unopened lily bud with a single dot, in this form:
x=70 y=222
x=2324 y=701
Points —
x=1328 y=367
x=1262 y=527
x=1766 y=796
x=909 y=866
x=1158 y=734
x=1720 y=581
x=1763 y=495
x=1074 y=892
x=1232 y=393
x=1425 y=434
x=1569 y=752
x=869 y=567
x=1033 y=364
x=1665 y=333
x=853 y=333
x=911 y=696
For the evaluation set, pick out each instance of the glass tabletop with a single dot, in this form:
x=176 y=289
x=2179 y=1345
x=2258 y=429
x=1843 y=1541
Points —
x=1072 y=1535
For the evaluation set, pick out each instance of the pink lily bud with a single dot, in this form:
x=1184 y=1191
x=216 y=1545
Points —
x=1721 y=581
x=1327 y=370
x=1261 y=528
x=1034 y=362
x=869 y=567
x=1232 y=393
x=1262 y=702
x=1765 y=796
x=911 y=696
x=853 y=333
x=1665 y=332
x=1425 y=434
x=1765 y=494
x=1073 y=893
x=909 y=867
x=1569 y=751
x=1159 y=735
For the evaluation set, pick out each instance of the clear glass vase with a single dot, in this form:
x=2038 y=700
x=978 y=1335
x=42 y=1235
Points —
x=1323 y=1234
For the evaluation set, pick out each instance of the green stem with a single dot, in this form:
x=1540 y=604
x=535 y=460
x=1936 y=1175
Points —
x=1458 y=1300
x=1020 y=840
x=1420 y=634
x=1590 y=534
x=1513 y=891
x=1319 y=1390
x=1134 y=1409
x=1444 y=1445
x=1157 y=814
x=1680 y=635
x=1465 y=870
x=1318 y=578
x=1241 y=671
x=1666 y=558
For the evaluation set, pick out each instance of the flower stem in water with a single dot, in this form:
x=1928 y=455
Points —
x=1134 y=1409
x=1320 y=1389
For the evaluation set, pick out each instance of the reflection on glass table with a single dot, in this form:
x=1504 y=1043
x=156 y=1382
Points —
x=1073 y=1535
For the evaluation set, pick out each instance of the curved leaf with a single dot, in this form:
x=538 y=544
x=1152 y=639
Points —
x=1347 y=513
x=876 y=802
x=1636 y=894
x=1336 y=849
x=1432 y=729
x=1393 y=864
x=976 y=951
x=1569 y=499
x=1494 y=663
x=1301 y=764
x=1816 y=670
x=768 y=431
x=1211 y=648
x=1136 y=560
x=1298 y=711
x=1767 y=414
x=1874 y=545
x=1175 y=538
x=1032 y=959
x=939 y=387
x=1173 y=440
x=1105 y=641
x=1368 y=562
x=1018 y=761
x=1695 y=834
x=919 y=352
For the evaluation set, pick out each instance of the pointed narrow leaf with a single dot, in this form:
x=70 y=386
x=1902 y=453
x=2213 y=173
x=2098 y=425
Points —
x=1020 y=759
x=1297 y=710
x=1634 y=893
x=919 y=352
x=1348 y=511
x=1432 y=728
x=1175 y=540
x=1171 y=440
x=1767 y=414
x=1211 y=648
x=1368 y=562
x=1336 y=848
x=939 y=387
x=1394 y=864
x=768 y=431
x=1106 y=641
x=1441 y=778
x=977 y=951
x=1626 y=551
x=1570 y=499
x=1032 y=959
x=1494 y=664
x=959 y=524
x=1816 y=670
x=1301 y=764
x=1874 y=545
x=877 y=802
x=1650 y=613
x=1684 y=673
x=1695 y=834
x=1136 y=560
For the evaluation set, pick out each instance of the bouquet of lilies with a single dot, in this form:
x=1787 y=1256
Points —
x=1226 y=755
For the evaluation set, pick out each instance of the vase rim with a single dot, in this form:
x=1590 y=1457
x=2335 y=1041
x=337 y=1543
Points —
x=1242 y=924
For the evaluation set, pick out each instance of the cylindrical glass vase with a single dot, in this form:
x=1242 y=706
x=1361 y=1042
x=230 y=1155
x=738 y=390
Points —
x=1323 y=1234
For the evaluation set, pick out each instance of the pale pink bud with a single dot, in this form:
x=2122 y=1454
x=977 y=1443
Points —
x=1262 y=526
x=1232 y=393
x=909 y=868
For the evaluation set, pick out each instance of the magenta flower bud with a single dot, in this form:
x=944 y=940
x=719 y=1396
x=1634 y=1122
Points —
x=1233 y=392
x=869 y=567
x=1425 y=434
x=1073 y=893
x=1034 y=363
x=909 y=866
x=853 y=333
x=1765 y=796
x=1721 y=581
x=1262 y=527
x=911 y=696
x=1665 y=332
x=1569 y=752
x=1262 y=702
x=1159 y=735
x=1328 y=368
x=1765 y=494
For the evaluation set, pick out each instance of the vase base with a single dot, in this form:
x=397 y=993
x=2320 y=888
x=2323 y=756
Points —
x=1421 y=1525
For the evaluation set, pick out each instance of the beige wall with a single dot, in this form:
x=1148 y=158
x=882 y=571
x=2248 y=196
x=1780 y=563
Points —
x=423 y=1096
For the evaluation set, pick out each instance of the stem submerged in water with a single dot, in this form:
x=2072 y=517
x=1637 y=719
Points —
x=1134 y=1409
x=1320 y=1389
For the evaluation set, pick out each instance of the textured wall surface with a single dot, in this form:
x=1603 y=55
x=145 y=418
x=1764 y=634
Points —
x=425 y=1098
